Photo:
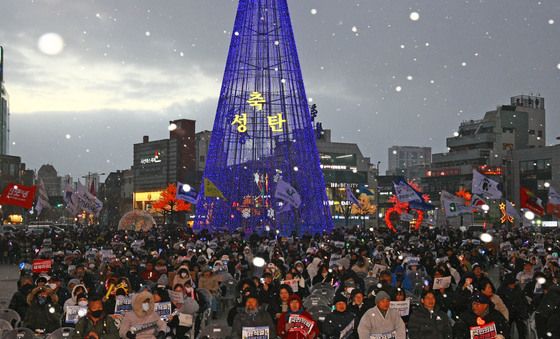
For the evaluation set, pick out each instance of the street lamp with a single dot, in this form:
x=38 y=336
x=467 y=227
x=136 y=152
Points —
x=529 y=215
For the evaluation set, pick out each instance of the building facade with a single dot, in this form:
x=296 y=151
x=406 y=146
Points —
x=487 y=145
x=51 y=180
x=162 y=162
x=536 y=170
x=409 y=161
x=4 y=110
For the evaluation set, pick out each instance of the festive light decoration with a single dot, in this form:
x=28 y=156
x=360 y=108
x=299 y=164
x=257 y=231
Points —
x=505 y=216
x=401 y=207
x=263 y=130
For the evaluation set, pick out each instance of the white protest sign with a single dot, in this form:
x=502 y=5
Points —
x=403 y=307
x=123 y=304
x=444 y=282
x=163 y=310
x=176 y=297
x=262 y=332
x=74 y=313
x=487 y=331
x=293 y=283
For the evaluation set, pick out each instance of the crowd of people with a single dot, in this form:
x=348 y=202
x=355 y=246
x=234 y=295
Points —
x=359 y=283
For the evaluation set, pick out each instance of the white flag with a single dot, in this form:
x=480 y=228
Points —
x=553 y=196
x=453 y=205
x=42 y=198
x=86 y=201
x=287 y=193
x=485 y=187
x=511 y=210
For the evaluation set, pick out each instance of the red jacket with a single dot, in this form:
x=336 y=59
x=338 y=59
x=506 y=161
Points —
x=284 y=333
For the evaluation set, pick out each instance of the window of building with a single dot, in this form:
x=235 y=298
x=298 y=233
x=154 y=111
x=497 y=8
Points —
x=540 y=134
x=531 y=132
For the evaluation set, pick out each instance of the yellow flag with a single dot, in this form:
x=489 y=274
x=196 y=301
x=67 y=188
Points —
x=210 y=190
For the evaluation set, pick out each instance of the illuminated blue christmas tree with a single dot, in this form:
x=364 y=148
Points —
x=262 y=170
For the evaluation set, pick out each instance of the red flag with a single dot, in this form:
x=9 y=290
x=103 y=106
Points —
x=530 y=201
x=18 y=195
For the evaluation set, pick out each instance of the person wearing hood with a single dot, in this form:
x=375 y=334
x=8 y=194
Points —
x=142 y=322
x=296 y=323
x=381 y=320
x=428 y=321
x=18 y=302
x=77 y=290
x=43 y=312
x=182 y=276
x=339 y=319
x=96 y=324
x=481 y=313
x=252 y=316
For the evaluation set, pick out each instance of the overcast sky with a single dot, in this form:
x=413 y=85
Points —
x=130 y=66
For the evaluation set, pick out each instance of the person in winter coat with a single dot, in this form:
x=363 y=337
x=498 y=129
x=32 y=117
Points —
x=487 y=288
x=43 y=312
x=73 y=301
x=296 y=323
x=96 y=324
x=358 y=306
x=142 y=322
x=338 y=320
x=18 y=302
x=382 y=320
x=252 y=316
x=517 y=304
x=280 y=305
x=182 y=276
x=482 y=313
x=428 y=321
x=549 y=306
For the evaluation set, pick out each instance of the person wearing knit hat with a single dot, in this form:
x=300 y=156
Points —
x=381 y=320
x=252 y=316
x=339 y=319
x=358 y=305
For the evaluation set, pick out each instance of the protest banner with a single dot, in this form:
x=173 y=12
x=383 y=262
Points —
x=443 y=282
x=300 y=324
x=163 y=309
x=403 y=307
x=487 y=331
x=74 y=313
x=388 y=335
x=123 y=305
x=41 y=265
x=262 y=332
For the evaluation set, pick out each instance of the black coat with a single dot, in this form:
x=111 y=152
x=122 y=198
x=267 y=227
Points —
x=19 y=300
x=515 y=301
x=336 y=322
x=461 y=329
x=424 y=324
x=259 y=319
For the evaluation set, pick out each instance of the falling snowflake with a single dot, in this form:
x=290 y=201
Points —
x=50 y=44
x=409 y=78
x=558 y=66
x=313 y=11
x=354 y=29
x=551 y=22
x=414 y=16
x=464 y=64
x=246 y=213
x=236 y=33
x=68 y=136
x=402 y=46
x=147 y=33
x=398 y=88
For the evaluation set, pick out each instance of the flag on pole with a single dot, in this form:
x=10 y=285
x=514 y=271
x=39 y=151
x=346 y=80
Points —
x=477 y=202
x=485 y=187
x=211 y=190
x=287 y=193
x=42 y=198
x=82 y=200
x=531 y=201
x=407 y=193
x=453 y=205
x=553 y=205
x=511 y=210
x=186 y=193
x=351 y=197
x=18 y=195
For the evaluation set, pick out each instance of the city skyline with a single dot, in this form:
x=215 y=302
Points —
x=126 y=70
